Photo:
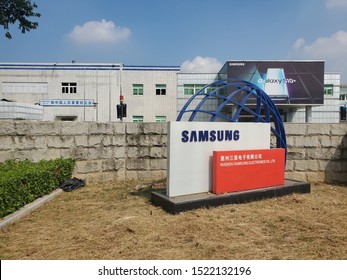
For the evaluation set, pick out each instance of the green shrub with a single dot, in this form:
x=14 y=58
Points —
x=21 y=182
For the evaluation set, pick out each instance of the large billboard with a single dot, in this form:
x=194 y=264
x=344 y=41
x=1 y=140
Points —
x=286 y=82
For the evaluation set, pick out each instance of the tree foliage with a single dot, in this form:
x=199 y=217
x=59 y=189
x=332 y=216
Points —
x=22 y=11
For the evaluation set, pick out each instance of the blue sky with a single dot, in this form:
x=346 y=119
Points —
x=198 y=34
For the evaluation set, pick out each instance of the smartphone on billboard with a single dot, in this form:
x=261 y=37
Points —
x=275 y=83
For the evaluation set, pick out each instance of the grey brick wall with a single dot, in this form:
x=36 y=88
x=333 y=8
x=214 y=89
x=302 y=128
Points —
x=138 y=151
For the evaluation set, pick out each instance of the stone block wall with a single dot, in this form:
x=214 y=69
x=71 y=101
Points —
x=138 y=151
x=317 y=152
x=103 y=151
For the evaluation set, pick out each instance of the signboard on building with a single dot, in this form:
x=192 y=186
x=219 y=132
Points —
x=191 y=146
x=286 y=82
x=68 y=102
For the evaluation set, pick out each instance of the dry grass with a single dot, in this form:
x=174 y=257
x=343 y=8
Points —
x=110 y=221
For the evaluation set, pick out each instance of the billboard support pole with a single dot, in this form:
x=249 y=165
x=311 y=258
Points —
x=308 y=114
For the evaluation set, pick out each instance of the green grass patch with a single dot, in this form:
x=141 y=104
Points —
x=21 y=182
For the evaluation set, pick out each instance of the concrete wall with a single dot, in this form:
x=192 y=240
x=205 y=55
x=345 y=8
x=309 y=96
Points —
x=126 y=151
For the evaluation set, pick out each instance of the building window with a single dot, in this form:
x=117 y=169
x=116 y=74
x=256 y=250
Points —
x=69 y=87
x=328 y=89
x=160 y=118
x=343 y=92
x=212 y=88
x=160 y=89
x=137 y=89
x=137 y=118
x=190 y=89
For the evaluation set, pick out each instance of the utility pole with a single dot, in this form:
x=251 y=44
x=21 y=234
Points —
x=121 y=107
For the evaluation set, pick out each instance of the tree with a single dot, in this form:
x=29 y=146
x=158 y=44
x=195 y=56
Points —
x=18 y=10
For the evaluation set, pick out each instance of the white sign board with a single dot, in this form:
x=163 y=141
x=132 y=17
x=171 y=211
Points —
x=68 y=102
x=191 y=146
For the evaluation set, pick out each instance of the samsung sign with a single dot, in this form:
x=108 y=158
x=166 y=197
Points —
x=191 y=146
x=210 y=135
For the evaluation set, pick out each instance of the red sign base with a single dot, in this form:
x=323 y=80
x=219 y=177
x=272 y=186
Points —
x=247 y=169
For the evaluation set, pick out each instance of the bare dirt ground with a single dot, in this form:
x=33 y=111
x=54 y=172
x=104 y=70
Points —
x=117 y=221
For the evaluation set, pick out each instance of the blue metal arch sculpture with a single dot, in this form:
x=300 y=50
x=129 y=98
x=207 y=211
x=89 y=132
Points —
x=239 y=93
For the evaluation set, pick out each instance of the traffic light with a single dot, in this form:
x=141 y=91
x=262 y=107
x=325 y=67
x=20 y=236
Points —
x=121 y=111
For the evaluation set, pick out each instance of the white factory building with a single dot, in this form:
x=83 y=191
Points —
x=91 y=92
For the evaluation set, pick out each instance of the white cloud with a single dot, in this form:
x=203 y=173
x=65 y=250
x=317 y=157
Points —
x=98 y=32
x=333 y=46
x=201 y=65
x=336 y=3
x=299 y=43
x=332 y=49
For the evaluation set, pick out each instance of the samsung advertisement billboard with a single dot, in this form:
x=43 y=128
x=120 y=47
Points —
x=286 y=82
